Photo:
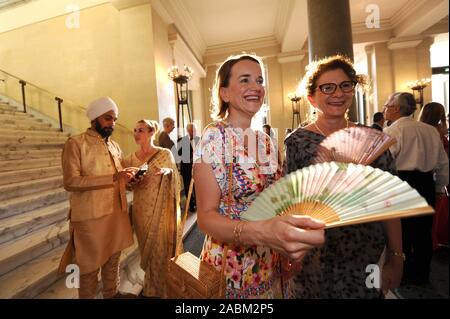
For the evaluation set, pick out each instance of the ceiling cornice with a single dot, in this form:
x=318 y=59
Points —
x=361 y=27
x=125 y=4
x=402 y=14
x=186 y=26
x=284 y=14
x=245 y=45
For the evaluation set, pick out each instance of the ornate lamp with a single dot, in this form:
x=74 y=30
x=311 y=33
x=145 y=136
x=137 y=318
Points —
x=295 y=100
x=181 y=79
x=418 y=86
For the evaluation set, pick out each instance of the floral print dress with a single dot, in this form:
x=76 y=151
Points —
x=251 y=271
x=338 y=268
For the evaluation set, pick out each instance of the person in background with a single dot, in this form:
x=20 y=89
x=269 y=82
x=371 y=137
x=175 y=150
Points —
x=378 y=121
x=434 y=114
x=94 y=174
x=156 y=208
x=422 y=163
x=164 y=139
x=186 y=146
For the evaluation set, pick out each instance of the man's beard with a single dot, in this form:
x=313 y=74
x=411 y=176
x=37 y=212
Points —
x=104 y=132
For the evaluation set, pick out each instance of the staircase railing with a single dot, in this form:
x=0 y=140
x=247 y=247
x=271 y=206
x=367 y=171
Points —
x=66 y=113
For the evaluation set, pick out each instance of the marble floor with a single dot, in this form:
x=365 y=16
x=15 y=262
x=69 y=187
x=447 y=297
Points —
x=437 y=288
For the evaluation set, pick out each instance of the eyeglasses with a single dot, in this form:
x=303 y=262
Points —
x=330 y=88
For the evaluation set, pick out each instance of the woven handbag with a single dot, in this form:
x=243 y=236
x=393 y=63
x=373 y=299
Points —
x=189 y=277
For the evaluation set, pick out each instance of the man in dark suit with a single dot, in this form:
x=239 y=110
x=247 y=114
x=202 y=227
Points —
x=378 y=121
x=186 y=146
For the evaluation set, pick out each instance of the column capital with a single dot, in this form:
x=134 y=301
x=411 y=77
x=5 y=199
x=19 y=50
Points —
x=369 y=49
x=294 y=56
x=404 y=42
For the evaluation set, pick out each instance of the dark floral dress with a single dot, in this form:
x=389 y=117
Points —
x=338 y=268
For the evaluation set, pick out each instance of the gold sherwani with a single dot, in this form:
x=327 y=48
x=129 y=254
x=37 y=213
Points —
x=156 y=219
x=99 y=221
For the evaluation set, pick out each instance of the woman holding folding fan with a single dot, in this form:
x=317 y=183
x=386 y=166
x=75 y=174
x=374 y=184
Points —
x=231 y=167
x=338 y=269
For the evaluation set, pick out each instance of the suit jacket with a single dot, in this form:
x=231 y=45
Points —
x=88 y=164
x=165 y=141
x=377 y=127
x=185 y=149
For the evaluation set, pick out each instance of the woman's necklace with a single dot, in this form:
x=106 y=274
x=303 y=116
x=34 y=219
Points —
x=321 y=132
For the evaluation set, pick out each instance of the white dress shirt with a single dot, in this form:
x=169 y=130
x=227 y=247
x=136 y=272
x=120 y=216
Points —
x=419 y=147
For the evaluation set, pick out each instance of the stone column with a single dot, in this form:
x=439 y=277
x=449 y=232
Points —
x=330 y=32
x=330 y=28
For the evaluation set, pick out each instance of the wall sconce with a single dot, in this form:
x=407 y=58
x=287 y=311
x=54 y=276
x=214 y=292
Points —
x=181 y=80
x=295 y=100
x=418 y=86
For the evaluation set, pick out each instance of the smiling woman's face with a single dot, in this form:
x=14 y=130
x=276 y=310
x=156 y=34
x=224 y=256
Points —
x=337 y=103
x=245 y=92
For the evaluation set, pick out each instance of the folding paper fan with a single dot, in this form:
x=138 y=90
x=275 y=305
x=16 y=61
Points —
x=358 y=145
x=339 y=194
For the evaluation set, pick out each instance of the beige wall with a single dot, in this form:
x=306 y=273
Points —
x=392 y=69
x=111 y=54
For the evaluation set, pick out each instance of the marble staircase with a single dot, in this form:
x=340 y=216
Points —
x=34 y=208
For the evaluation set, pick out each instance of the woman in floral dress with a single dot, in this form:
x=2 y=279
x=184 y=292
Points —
x=232 y=167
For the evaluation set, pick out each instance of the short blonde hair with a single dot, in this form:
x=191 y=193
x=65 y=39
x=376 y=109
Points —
x=151 y=124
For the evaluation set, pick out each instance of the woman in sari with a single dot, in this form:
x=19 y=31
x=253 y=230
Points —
x=156 y=213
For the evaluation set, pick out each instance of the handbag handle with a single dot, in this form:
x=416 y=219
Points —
x=183 y=222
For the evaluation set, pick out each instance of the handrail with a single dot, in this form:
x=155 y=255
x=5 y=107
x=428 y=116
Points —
x=57 y=97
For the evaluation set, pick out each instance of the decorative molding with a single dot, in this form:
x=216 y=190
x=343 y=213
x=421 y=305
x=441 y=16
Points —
x=360 y=27
x=284 y=14
x=404 y=12
x=296 y=56
x=6 y=4
x=245 y=45
x=162 y=12
x=404 y=43
x=126 y=4
x=186 y=26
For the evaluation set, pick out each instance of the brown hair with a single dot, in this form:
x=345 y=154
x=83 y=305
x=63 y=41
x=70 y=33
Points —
x=152 y=125
x=316 y=68
x=433 y=113
x=223 y=74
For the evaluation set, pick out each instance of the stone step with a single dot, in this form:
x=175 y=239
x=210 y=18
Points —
x=130 y=277
x=16 y=253
x=23 y=146
x=30 y=133
x=28 y=126
x=13 y=111
x=30 y=153
x=7 y=107
x=14 y=190
x=16 y=226
x=32 y=140
x=13 y=165
x=33 y=277
x=27 y=203
x=29 y=174
x=11 y=119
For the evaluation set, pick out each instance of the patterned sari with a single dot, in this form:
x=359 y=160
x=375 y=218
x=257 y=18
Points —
x=156 y=219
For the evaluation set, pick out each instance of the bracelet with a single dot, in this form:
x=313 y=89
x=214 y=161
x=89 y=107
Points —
x=237 y=231
x=398 y=254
